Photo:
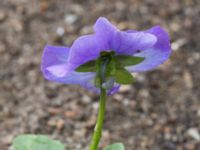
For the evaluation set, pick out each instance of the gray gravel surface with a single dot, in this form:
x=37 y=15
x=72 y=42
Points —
x=160 y=111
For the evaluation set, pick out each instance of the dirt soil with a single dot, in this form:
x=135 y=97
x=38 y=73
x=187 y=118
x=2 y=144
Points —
x=160 y=111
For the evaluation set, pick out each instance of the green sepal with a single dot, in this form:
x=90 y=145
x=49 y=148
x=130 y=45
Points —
x=97 y=81
x=122 y=76
x=111 y=68
x=108 y=66
x=105 y=68
x=116 y=146
x=36 y=142
x=87 y=67
x=126 y=60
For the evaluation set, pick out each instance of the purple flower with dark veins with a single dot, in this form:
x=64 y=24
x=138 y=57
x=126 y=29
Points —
x=123 y=52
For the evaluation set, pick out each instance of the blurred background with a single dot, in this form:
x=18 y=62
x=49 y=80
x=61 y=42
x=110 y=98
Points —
x=160 y=111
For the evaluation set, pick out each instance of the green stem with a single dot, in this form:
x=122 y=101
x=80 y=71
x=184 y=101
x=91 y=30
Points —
x=99 y=125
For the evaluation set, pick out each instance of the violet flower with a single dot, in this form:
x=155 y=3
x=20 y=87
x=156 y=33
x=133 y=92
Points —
x=60 y=64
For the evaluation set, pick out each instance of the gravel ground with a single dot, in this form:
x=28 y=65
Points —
x=160 y=111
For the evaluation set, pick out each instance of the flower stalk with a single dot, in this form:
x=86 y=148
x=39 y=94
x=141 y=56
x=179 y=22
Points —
x=99 y=125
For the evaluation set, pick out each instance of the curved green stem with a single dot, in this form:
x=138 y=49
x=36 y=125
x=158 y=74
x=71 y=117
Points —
x=99 y=125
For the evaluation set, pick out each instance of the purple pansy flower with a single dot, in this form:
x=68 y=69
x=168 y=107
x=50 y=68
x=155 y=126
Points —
x=59 y=63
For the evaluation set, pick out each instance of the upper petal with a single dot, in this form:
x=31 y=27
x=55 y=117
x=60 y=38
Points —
x=155 y=55
x=123 y=42
x=88 y=47
x=128 y=43
x=104 y=28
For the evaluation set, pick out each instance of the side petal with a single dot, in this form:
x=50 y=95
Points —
x=156 y=55
x=54 y=60
x=54 y=63
x=84 y=49
x=163 y=41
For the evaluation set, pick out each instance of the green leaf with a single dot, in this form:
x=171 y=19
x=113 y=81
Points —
x=36 y=142
x=116 y=146
x=126 y=60
x=122 y=76
x=87 y=67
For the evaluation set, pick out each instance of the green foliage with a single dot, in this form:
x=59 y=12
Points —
x=122 y=76
x=126 y=60
x=116 y=146
x=119 y=60
x=87 y=67
x=36 y=142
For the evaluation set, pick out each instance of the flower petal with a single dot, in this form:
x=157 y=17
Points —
x=54 y=63
x=104 y=28
x=123 y=42
x=84 y=49
x=114 y=90
x=54 y=58
x=156 y=55
x=107 y=31
x=57 y=70
x=163 y=41
x=128 y=43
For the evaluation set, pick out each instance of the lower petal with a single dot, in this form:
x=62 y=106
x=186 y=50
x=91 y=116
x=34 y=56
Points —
x=85 y=80
x=114 y=90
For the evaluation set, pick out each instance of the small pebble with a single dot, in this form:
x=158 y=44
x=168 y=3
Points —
x=194 y=133
x=86 y=99
x=60 y=124
x=125 y=88
x=70 y=19
x=60 y=31
x=2 y=16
